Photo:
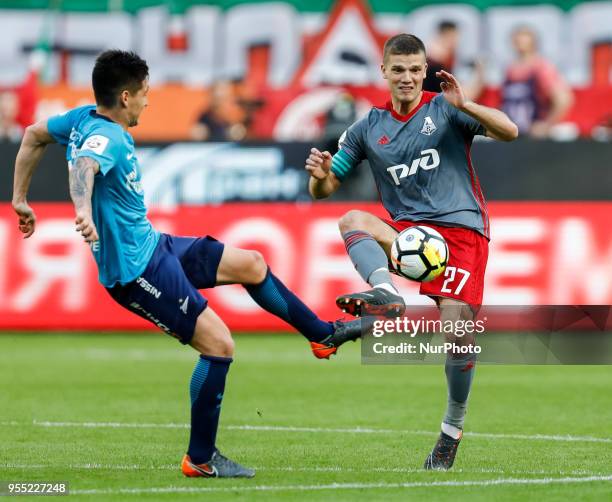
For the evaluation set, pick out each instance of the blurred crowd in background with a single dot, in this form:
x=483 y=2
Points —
x=533 y=92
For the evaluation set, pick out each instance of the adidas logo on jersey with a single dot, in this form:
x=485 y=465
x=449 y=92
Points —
x=383 y=140
x=428 y=126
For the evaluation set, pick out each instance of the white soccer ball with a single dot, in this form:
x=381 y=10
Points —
x=419 y=253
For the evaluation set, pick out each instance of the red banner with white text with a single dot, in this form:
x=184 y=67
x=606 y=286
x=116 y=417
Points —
x=541 y=253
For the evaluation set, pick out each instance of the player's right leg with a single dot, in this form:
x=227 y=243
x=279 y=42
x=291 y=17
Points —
x=210 y=263
x=249 y=268
x=368 y=242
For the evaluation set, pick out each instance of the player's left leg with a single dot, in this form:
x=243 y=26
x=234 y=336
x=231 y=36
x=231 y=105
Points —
x=213 y=340
x=459 y=369
x=459 y=294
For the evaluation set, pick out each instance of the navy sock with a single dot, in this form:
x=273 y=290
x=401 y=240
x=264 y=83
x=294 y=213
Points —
x=206 y=390
x=273 y=296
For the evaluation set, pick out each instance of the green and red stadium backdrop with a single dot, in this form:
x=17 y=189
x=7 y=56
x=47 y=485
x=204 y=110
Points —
x=541 y=253
x=293 y=58
x=302 y=5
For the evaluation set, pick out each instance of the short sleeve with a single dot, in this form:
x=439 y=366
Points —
x=104 y=147
x=60 y=126
x=468 y=125
x=352 y=141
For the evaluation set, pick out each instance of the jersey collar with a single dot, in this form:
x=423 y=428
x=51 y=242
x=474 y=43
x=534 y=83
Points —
x=94 y=113
x=426 y=97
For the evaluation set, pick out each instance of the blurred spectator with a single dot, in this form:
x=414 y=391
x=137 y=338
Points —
x=224 y=119
x=27 y=97
x=534 y=95
x=18 y=107
x=337 y=120
x=10 y=128
x=250 y=99
x=442 y=54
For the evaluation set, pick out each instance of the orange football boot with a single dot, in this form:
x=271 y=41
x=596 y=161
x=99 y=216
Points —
x=322 y=351
x=218 y=466
x=344 y=331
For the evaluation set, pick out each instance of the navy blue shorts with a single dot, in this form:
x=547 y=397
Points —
x=166 y=293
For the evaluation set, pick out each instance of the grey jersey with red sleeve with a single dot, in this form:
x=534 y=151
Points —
x=420 y=162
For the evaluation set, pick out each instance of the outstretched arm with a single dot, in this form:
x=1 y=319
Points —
x=33 y=144
x=81 y=179
x=497 y=123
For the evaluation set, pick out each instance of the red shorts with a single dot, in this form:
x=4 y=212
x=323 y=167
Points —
x=463 y=278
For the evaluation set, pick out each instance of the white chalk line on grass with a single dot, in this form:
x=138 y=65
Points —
x=359 y=430
x=112 y=425
x=344 y=486
x=354 y=430
x=329 y=469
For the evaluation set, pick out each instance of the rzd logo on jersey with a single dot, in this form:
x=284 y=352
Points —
x=429 y=160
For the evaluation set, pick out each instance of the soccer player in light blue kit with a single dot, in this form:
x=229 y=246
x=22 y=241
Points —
x=155 y=275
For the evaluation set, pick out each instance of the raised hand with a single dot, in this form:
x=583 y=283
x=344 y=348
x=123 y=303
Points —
x=451 y=89
x=318 y=164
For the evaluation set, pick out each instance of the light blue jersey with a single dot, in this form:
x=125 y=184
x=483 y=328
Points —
x=127 y=238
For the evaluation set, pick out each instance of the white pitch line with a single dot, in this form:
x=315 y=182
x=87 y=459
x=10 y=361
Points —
x=345 y=486
x=112 y=425
x=354 y=430
x=359 y=430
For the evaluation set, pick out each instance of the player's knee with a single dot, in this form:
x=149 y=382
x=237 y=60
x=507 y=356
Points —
x=454 y=311
x=352 y=220
x=219 y=343
x=213 y=340
x=227 y=345
x=257 y=267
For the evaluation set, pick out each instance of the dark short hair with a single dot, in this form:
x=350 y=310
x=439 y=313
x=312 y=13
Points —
x=446 y=25
x=403 y=43
x=116 y=71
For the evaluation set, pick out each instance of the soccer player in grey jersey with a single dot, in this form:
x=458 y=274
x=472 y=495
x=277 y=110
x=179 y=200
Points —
x=418 y=147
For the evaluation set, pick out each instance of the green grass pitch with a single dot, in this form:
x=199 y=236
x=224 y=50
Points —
x=108 y=414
